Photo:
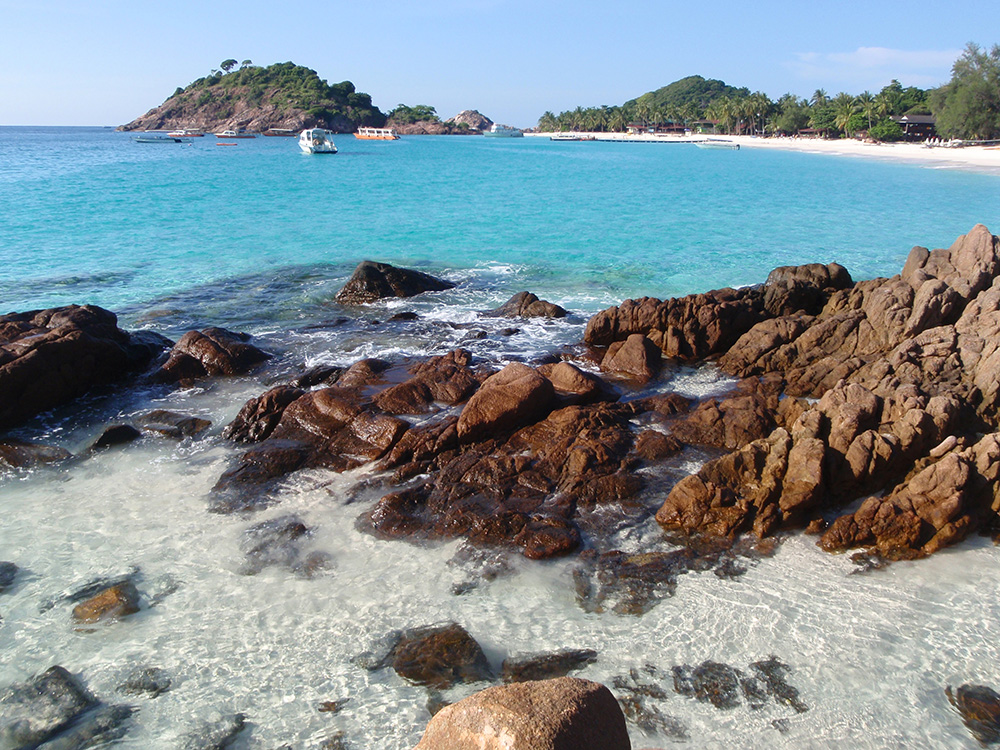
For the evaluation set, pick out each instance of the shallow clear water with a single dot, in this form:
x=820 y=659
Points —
x=259 y=237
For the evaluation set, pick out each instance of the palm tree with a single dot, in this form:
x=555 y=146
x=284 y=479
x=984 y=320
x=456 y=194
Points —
x=844 y=108
x=819 y=98
x=866 y=103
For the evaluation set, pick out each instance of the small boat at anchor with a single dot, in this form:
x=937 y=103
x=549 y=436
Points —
x=376 y=134
x=230 y=134
x=155 y=139
x=186 y=133
x=317 y=141
x=504 y=131
x=571 y=137
x=726 y=145
x=281 y=132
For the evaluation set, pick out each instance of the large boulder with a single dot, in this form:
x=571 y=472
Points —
x=514 y=397
x=212 y=351
x=560 y=714
x=439 y=656
x=49 y=357
x=527 y=305
x=41 y=708
x=374 y=281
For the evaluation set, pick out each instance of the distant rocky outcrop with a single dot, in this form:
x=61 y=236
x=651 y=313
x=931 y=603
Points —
x=472 y=119
x=256 y=98
x=431 y=127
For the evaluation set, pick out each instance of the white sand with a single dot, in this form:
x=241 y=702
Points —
x=977 y=158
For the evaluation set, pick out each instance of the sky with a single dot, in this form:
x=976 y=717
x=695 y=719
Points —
x=107 y=62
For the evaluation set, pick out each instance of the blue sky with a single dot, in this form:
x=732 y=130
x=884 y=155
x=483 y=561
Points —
x=105 y=63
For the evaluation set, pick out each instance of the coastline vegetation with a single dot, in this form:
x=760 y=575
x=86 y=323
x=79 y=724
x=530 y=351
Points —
x=967 y=107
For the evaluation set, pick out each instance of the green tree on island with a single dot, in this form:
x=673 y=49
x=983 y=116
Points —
x=968 y=106
x=228 y=65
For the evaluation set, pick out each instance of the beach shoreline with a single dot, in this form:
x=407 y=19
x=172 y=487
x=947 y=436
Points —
x=975 y=158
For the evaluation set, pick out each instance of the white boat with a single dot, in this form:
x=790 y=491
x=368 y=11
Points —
x=504 y=131
x=233 y=134
x=376 y=134
x=317 y=141
x=571 y=137
x=155 y=139
x=728 y=145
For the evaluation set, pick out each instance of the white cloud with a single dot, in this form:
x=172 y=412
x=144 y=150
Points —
x=874 y=67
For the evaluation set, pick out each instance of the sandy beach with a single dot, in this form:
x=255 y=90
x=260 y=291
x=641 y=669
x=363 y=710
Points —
x=977 y=158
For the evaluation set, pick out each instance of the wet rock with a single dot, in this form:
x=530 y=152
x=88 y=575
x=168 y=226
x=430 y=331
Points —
x=217 y=733
x=23 y=454
x=637 y=357
x=112 y=603
x=145 y=681
x=319 y=375
x=979 y=707
x=654 y=445
x=730 y=422
x=245 y=487
x=718 y=684
x=527 y=305
x=272 y=542
x=723 y=686
x=650 y=719
x=37 y=710
x=8 y=572
x=171 y=424
x=774 y=673
x=50 y=357
x=560 y=714
x=629 y=583
x=119 y=434
x=332 y=707
x=363 y=372
x=439 y=656
x=447 y=379
x=259 y=416
x=546 y=666
x=512 y=398
x=210 y=352
x=374 y=281
x=575 y=386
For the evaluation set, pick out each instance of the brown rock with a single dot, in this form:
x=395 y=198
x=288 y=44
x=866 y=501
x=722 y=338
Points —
x=22 y=454
x=49 y=357
x=561 y=714
x=636 y=357
x=980 y=709
x=212 y=351
x=374 y=281
x=110 y=604
x=654 y=445
x=807 y=288
x=527 y=305
x=512 y=398
x=546 y=666
x=575 y=386
x=259 y=416
x=171 y=424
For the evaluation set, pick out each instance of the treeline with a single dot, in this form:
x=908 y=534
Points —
x=285 y=85
x=968 y=107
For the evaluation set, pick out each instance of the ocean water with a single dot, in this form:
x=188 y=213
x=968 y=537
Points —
x=259 y=237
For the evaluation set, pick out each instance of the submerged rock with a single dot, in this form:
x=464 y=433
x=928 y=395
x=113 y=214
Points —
x=437 y=656
x=37 y=710
x=148 y=681
x=374 y=281
x=118 y=434
x=171 y=424
x=23 y=454
x=112 y=603
x=212 y=351
x=980 y=709
x=214 y=734
x=272 y=542
x=546 y=666
x=560 y=714
x=8 y=572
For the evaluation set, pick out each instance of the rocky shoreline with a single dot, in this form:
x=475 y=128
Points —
x=865 y=413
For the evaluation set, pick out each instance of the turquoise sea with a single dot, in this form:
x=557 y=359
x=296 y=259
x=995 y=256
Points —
x=259 y=237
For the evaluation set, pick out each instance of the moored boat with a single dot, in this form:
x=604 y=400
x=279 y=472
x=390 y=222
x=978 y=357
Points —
x=571 y=137
x=281 y=132
x=728 y=145
x=234 y=134
x=317 y=141
x=155 y=139
x=376 y=134
x=186 y=133
x=504 y=131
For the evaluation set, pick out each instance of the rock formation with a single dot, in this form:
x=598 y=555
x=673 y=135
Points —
x=560 y=714
x=374 y=281
x=471 y=118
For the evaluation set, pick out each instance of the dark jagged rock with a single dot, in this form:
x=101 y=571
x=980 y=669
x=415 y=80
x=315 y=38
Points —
x=726 y=687
x=148 y=681
x=247 y=485
x=561 y=714
x=8 y=572
x=212 y=351
x=374 y=281
x=546 y=666
x=98 y=727
x=119 y=434
x=438 y=656
x=527 y=305
x=980 y=709
x=447 y=379
x=24 y=454
x=38 y=710
x=49 y=357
